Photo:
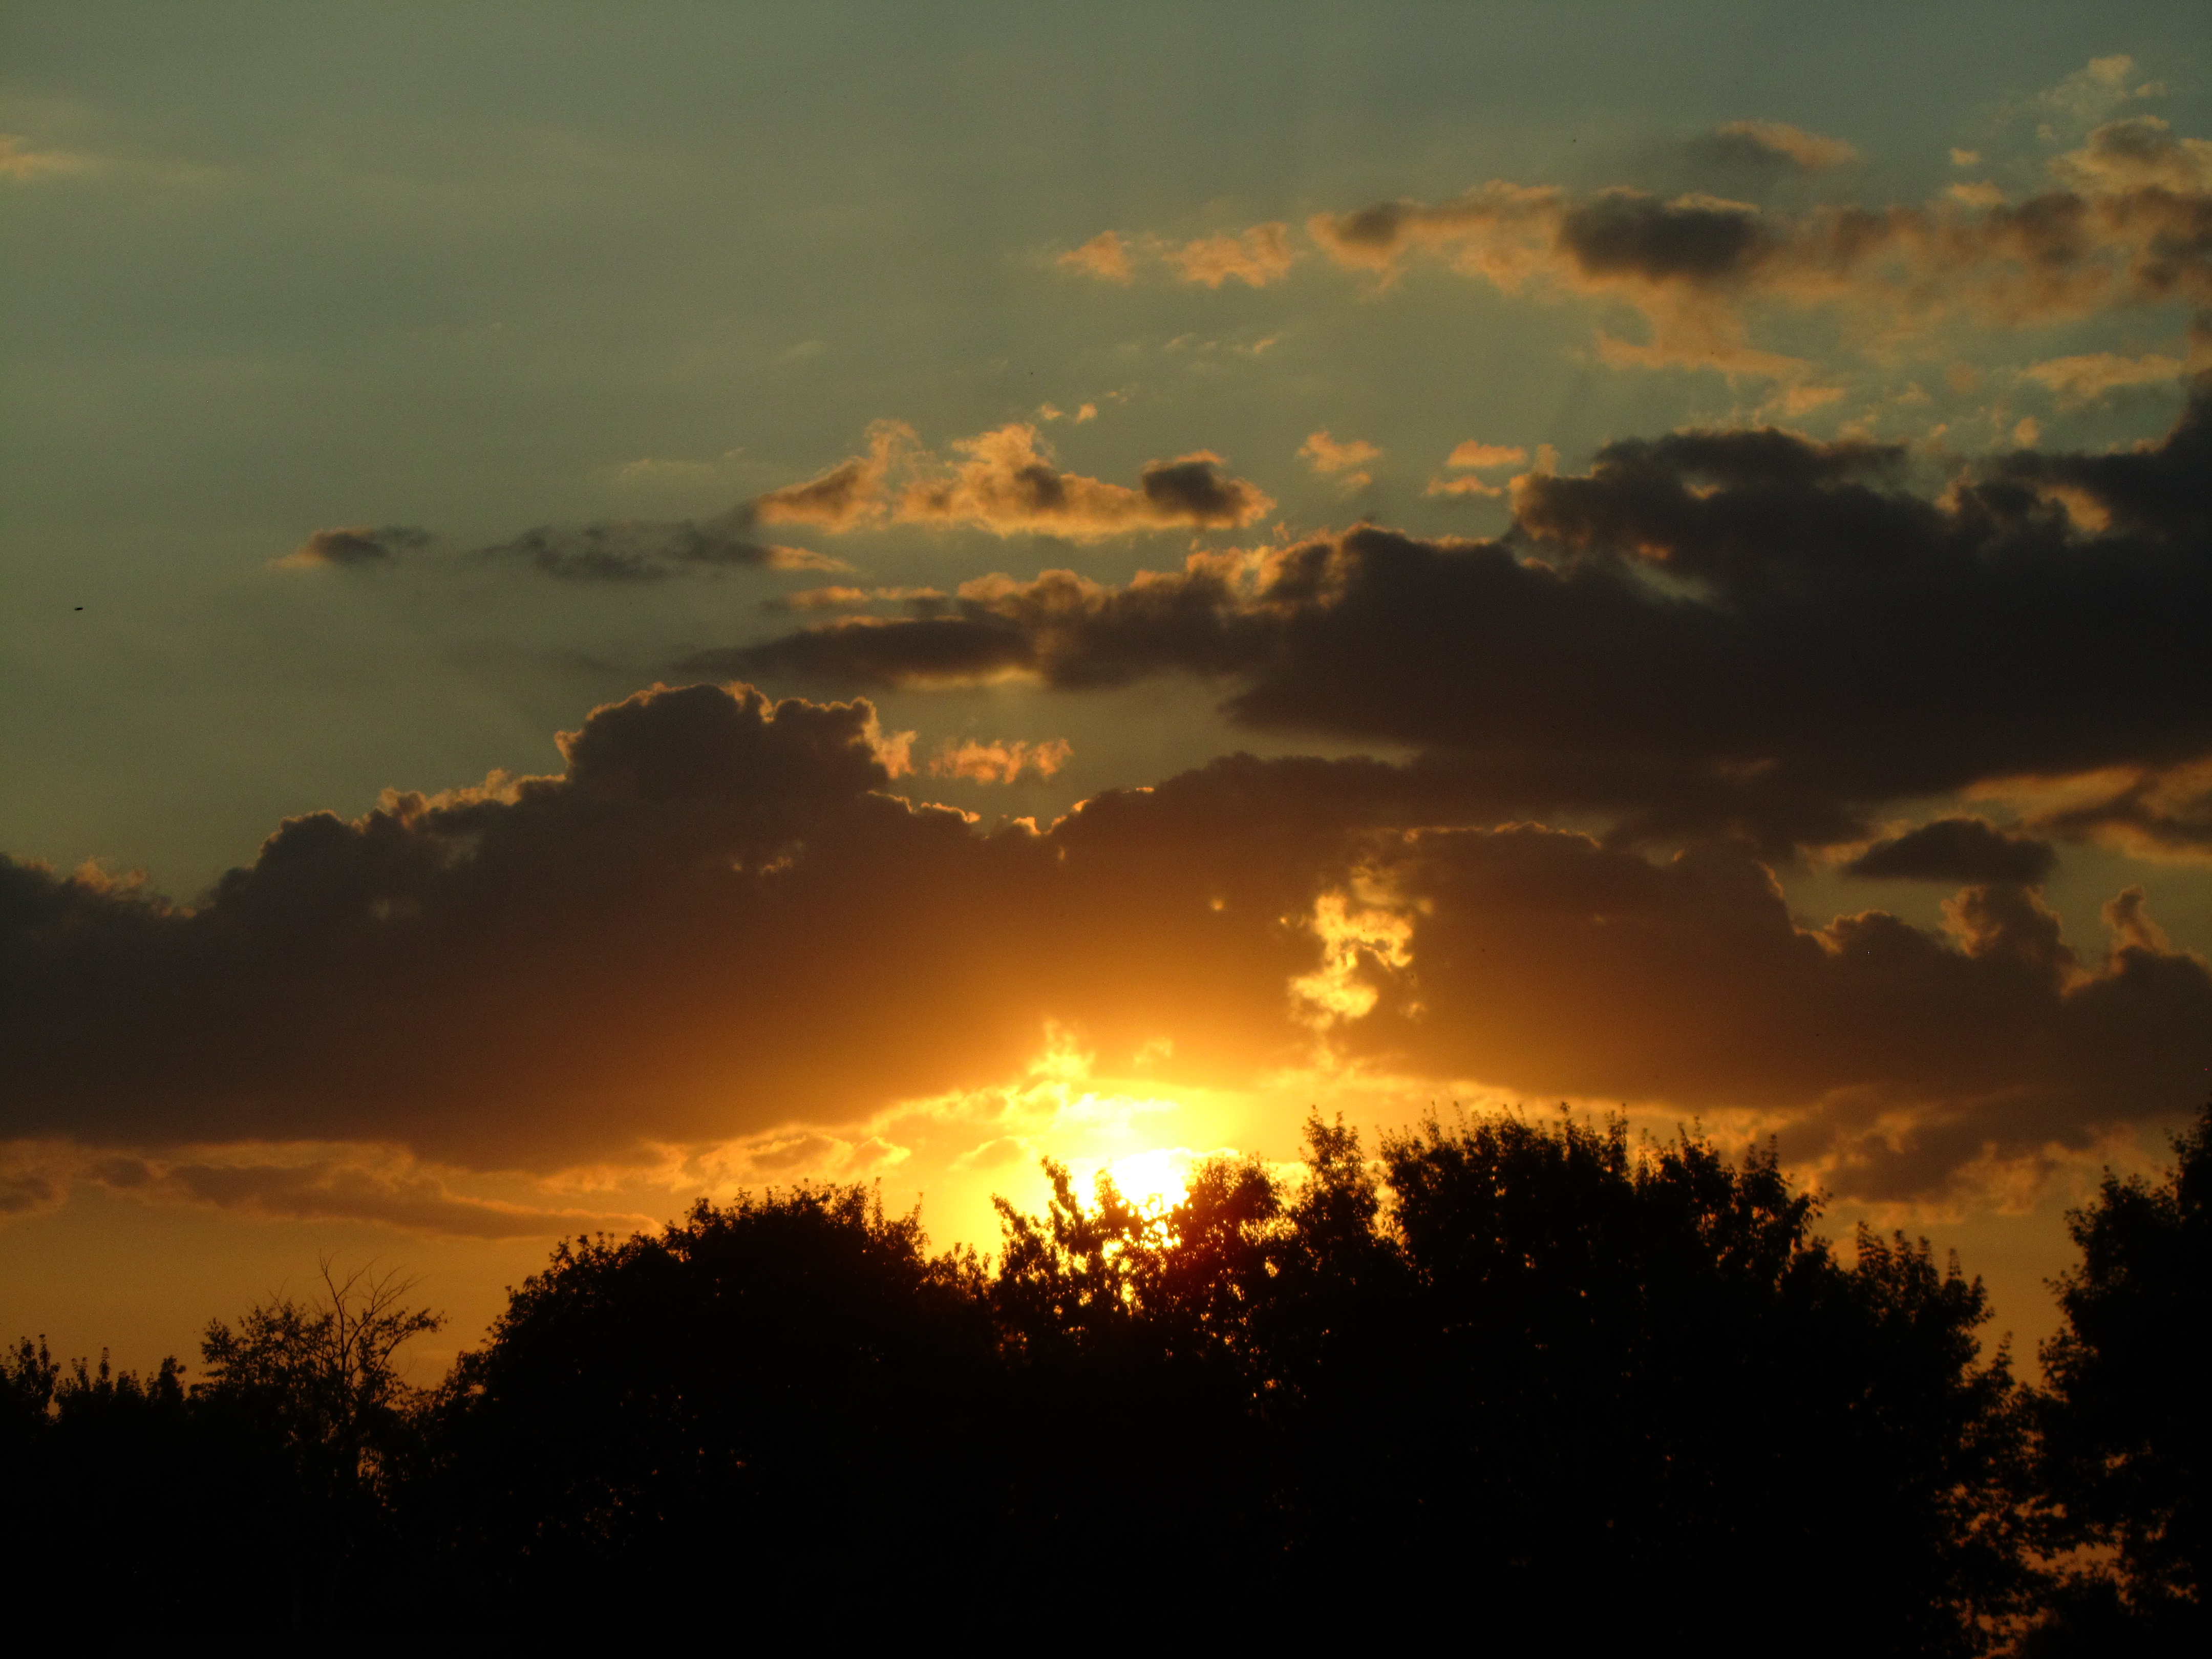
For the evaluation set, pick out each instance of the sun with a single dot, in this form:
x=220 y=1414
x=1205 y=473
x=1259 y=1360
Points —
x=1157 y=1180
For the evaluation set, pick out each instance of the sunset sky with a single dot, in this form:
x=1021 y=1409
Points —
x=599 y=604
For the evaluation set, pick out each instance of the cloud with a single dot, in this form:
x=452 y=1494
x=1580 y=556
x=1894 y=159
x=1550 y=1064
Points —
x=643 y=550
x=1258 y=257
x=22 y=163
x=354 y=547
x=1773 y=144
x=650 y=469
x=368 y=1183
x=852 y=599
x=1747 y=631
x=1000 y=763
x=1104 y=255
x=1474 y=454
x=1898 y=1057
x=2128 y=223
x=1006 y=484
x=623 y=550
x=2139 y=153
x=1255 y=256
x=717 y=925
x=1961 y=851
x=2150 y=811
x=2093 y=375
x=1328 y=456
x=2097 y=88
x=848 y=496
x=1003 y=482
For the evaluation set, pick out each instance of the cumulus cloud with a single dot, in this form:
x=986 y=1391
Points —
x=1733 y=630
x=717 y=924
x=1772 y=143
x=2139 y=153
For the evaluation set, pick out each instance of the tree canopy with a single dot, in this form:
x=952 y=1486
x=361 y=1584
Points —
x=1524 y=1379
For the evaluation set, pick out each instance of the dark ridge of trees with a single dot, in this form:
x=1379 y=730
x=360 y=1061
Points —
x=1509 y=1382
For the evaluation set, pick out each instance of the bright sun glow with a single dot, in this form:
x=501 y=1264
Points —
x=1158 y=1179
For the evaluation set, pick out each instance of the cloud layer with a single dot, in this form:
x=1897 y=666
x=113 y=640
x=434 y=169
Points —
x=718 y=921
x=1744 y=631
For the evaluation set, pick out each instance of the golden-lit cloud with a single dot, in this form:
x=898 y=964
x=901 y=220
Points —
x=1475 y=453
x=1346 y=462
x=2091 y=375
x=848 y=496
x=1471 y=456
x=1104 y=255
x=1006 y=482
x=2121 y=226
x=805 y=599
x=1000 y=763
x=1255 y=256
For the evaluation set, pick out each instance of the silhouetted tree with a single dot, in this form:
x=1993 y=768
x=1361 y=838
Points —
x=135 y=1500
x=1523 y=1369
x=2125 y=1427
x=305 y=1404
x=784 y=1397
x=91 y=1459
x=1517 y=1382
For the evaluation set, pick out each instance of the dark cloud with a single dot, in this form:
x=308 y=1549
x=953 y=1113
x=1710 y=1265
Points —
x=1625 y=233
x=1897 y=1056
x=718 y=921
x=1961 y=851
x=621 y=550
x=380 y=1189
x=634 y=550
x=1742 y=631
x=354 y=547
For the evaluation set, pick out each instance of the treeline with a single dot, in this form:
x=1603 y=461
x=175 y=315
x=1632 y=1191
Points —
x=1506 y=1382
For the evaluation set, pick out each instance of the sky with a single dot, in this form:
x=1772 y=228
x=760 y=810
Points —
x=605 y=604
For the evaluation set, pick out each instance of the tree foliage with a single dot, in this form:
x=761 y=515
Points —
x=2127 y=1452
x=1522 y=1379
